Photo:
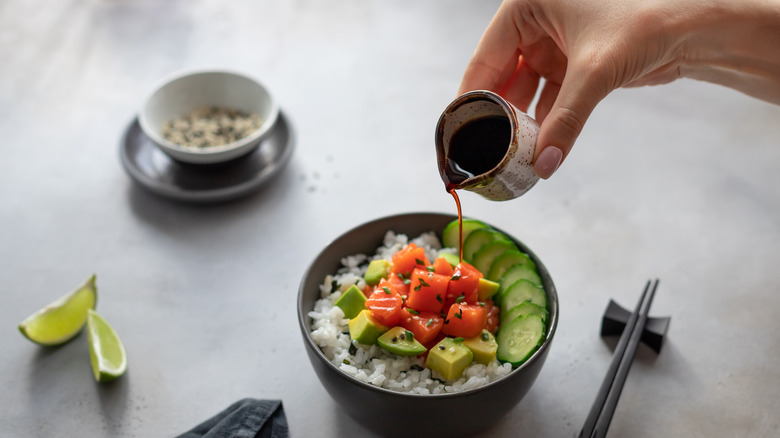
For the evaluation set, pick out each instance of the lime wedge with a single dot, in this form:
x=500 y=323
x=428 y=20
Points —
x=106 y=352
x=63 y=319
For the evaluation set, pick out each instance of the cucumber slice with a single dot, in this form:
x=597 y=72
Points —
x=450 y=238
x=519 y=338
x=477 y=239
x=515 y=273
x=520 y=291
x=524 y=308
x=484 y=257
x=452 y=259
x=506 y=261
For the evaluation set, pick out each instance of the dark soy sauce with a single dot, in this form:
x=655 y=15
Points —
x=451 y=191
x=475 y=148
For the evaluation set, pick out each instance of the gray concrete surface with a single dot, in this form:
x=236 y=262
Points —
x=679 y=182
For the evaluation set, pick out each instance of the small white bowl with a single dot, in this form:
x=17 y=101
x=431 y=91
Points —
x=183 y=93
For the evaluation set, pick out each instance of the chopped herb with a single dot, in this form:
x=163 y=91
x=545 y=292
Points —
x=459 y=315
x=357 y=281
x=386 y=289
x=485 y=336
x=429 y=323
x=419 y=262
x=418 y=287
x=345 y=361
x=429 y=268
x=482 y=304
x=407 y=281
x=438 y=298
x=400 y=275
x=412 y=311
x=409 y=335
x=422 y=282
x=334 y=285
x=458 y=340
x=460 y=298
x=455 y=277
x=352 y=349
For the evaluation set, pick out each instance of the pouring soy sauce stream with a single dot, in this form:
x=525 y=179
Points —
x=475 y=148
x=485 y=145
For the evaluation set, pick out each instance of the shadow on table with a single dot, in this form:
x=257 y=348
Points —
x=114 y=403
x=59 y=374
x=179 y=217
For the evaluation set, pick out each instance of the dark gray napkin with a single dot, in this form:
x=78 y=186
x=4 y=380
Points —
x=247 y=418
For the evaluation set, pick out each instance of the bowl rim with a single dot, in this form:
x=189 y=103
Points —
x=260 y=132
x=539 y=353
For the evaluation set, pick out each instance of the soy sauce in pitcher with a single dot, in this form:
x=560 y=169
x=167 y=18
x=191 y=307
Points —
x=475 y=148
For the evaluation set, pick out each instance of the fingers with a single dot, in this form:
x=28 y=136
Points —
x=563 y=111
x=521 y=88
x=496 y=58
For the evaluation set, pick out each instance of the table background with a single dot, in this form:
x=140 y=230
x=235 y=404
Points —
x=679 y=182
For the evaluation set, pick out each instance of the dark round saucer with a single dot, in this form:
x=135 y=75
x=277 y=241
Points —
x=159 y=173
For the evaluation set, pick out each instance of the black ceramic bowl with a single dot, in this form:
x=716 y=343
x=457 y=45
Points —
x=391 y=413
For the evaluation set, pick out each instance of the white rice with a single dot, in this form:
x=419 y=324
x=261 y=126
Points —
x=374 y=365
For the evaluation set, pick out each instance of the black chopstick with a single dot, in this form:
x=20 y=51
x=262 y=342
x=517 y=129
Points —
x=600 y=416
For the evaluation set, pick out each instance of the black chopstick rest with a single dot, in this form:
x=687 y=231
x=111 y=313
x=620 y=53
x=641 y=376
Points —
x=614 y=322
x=603 y=408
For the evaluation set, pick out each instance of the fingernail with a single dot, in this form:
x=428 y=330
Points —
x=548 y=161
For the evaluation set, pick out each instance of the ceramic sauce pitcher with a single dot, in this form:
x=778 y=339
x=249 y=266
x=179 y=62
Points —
x=486 y=145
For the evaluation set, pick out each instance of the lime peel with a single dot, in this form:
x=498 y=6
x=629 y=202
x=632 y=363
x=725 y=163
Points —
x=63 y=319
x=106 y=352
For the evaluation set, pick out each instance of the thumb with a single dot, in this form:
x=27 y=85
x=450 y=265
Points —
x=574 y=101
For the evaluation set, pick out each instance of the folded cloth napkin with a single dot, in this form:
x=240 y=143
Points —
x=247 y=418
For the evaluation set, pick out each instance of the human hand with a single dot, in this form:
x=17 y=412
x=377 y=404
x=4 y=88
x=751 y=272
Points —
x=585 y=49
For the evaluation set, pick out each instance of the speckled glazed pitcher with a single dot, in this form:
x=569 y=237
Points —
x=511 y=175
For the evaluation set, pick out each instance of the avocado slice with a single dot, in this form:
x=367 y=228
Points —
x=449 y=357
x=483 y=346
x=365 y=329
x=400 y=341
x=452 y=259
x=376 y=271
x=352 y=301
x=486 y=288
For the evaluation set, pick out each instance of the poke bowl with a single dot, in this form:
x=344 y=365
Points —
x=450 y=388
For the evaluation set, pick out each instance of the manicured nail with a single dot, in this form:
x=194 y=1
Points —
x=548 y=161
